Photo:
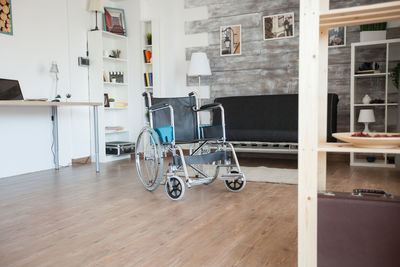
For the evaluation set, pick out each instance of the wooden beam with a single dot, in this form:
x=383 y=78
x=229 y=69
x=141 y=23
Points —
x=361 y=15
x=309 y=132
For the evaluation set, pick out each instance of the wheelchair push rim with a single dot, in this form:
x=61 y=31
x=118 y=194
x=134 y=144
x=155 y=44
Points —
x=149 y=161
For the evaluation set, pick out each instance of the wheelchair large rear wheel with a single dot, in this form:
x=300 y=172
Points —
x=149 y=161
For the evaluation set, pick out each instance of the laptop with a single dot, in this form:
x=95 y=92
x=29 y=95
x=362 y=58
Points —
x=10 y=90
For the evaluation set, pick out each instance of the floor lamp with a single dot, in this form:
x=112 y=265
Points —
x=199 y=66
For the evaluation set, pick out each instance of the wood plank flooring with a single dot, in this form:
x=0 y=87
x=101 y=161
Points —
x=77 y=218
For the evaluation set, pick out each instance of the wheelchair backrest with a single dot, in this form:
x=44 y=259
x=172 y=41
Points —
x=186 y=124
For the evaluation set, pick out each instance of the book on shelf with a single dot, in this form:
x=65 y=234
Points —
x=114 y=128
x=148 y=79
x=147 y=56
x=151 y=78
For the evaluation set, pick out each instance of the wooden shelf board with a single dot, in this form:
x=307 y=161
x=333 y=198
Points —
x=46 y=103
x=374 y=105
x=345 y=147
x=359 y=15
x=116 y=132
x=116 y=84
x=370 y=75
x=115 y=108
x=113 y=35
x=116 y=59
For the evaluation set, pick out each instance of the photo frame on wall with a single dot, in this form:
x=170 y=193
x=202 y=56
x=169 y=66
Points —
x=114 y=21
x=278 y=26
x=231 y=40
x=6 y=23
x=337 y=37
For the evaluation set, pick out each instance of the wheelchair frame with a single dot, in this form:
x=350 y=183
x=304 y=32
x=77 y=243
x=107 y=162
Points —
x=234 y=180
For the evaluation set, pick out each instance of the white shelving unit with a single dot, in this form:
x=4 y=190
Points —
x=376 y=85
x=98 y=42
x=147 y=67
x=315 y=20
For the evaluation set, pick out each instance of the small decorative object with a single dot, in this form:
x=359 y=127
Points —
x=114 y=20
x=96 y=6
x=105 y=77
x=366 y=99
x=337 y=37
x=368 y=67
x=373 y=32
x=366 y=116
x=115 y=53
x=68 y=97
x=149 y=38
x=6 y=25
x=114 y=80
x=54 y=69
x=199 y=66
x=278 y=26
x=377 y=101
x=371 y=159
x=377 y=140
x=57 y=98
x=230 y=40
x=112 y=102
x=106 y=101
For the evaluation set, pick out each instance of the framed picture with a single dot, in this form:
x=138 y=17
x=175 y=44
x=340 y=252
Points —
x=106 y=101
x=337 y=37
x=278 y=26
x=6 y=25
x=114 y=20
x=231 y=40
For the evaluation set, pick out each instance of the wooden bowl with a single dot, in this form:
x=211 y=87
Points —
x=376 y=142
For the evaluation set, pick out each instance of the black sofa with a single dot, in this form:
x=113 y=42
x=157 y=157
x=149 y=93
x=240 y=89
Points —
x=267 y=118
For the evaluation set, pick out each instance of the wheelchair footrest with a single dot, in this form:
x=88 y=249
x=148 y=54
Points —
x=201 y=181
x=231 y=176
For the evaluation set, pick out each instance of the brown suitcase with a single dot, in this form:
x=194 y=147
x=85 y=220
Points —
x=358 y=229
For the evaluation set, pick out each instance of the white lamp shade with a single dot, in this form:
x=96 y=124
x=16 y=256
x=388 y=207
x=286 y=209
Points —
x=366 y=115
x=54 y=68
x=96 y=5
x=199 y=65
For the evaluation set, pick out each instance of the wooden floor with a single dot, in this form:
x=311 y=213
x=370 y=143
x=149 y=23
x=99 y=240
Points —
x=77 y=218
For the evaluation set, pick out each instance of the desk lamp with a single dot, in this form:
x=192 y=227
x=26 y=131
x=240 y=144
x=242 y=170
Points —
x=366 y=116
x=96 y=6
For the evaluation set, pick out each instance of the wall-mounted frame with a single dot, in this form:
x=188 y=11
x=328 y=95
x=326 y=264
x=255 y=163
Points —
x=231 y=40
x=337 y=37
x=114 y=21
x=6 y=23
x=278 y=26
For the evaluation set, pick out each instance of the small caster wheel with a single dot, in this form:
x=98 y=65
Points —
x=236 y=185
x=175 y=188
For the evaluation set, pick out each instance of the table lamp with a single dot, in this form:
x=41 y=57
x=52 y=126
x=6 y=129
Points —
x=96 y=6
x=366 y=116
x=199 y=65
x=54 y=69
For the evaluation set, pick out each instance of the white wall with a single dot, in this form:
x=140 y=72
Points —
x=44 y=30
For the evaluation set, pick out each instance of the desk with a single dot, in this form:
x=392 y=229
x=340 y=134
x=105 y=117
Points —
x=54 y=109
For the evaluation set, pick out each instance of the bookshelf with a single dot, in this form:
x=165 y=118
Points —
x=377 y=86
x=100 y=46
x=315 y=20
x=149 y=56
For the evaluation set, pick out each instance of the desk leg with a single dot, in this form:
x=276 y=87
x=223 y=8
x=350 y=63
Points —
x=96 y=137
x=54 y=112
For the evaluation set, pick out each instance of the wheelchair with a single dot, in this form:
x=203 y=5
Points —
x=174 y=126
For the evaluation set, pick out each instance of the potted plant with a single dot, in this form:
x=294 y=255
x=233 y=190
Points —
x=68 y=96
x=112 y=102
x=395 y=77
x=149 y=37
x=373 y=32
x=58 y=98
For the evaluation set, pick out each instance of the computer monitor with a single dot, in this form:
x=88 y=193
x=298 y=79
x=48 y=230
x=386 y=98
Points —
x=10 y=90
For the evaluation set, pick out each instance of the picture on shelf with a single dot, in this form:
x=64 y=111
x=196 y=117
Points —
x=6 y=25
x=106 y=101
x=278 y=26
x=114 y=20
x=337 y=37
x=230 y=38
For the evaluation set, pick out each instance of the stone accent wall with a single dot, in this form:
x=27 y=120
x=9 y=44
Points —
x=268 y=67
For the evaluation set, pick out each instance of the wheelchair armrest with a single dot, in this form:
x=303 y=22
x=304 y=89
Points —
x=209 y=107
x=158 y=107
